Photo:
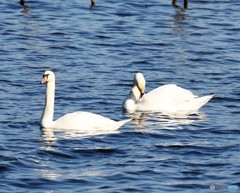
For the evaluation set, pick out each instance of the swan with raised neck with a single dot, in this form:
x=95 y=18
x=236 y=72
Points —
x=80 y=120
x=48 y=112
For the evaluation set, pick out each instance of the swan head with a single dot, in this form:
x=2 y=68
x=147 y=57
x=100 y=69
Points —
x=48 y=76
x=140 y=82
x=136 y=93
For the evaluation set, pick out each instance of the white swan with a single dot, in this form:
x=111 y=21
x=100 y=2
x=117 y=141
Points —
x=167 y=99
x=79 y=121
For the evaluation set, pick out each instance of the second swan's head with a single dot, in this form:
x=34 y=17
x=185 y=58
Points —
x=48 y=76
x=140 y=82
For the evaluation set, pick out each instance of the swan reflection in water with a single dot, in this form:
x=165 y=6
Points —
x=146 y=120
x=47 y=174
x=140 y=120
x=49 y=138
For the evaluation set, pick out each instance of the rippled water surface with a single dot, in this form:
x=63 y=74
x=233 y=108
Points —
x=95 y=53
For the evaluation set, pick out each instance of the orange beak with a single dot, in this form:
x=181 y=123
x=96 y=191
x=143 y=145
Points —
x=44 y=79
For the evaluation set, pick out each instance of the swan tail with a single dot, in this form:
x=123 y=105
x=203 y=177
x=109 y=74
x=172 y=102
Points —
x=193 y=105
x=202 y=101
x=121 y=123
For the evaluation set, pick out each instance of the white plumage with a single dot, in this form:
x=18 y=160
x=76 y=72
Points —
x=78 y=121
x=167 y=99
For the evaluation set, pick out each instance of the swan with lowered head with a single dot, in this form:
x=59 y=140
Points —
x=79 y=121
x=167 y=99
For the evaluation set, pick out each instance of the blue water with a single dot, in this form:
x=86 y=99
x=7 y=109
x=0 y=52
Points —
x=95 y=53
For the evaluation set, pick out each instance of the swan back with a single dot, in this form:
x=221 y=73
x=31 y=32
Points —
x=85 y=121
x=169 y=94
x=171 y=99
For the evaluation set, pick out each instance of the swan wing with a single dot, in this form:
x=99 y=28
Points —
x=193 y=105
x=172 y=99
x=164 y=97
x=170 y=94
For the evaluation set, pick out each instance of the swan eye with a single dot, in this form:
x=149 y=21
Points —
x=45 y=75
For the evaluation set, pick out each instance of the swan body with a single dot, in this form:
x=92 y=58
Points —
x=167 y=99
x=85 y=121
x=79 y=121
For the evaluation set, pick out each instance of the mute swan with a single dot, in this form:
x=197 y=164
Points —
x=167 y=99
x=79 y=121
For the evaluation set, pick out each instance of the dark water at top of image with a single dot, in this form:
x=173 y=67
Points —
x=95 y=53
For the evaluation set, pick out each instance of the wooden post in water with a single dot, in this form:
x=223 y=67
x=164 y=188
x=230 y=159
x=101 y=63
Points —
x=22 y=2
x=93 y=3
x=25 y=7
x=174 y=3
x=185 y=5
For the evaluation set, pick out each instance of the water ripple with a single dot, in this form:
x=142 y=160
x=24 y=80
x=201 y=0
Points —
x=95 y=53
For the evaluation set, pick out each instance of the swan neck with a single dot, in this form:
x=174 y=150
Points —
x=47 y=117
x=135 y=94
x=132 y=99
